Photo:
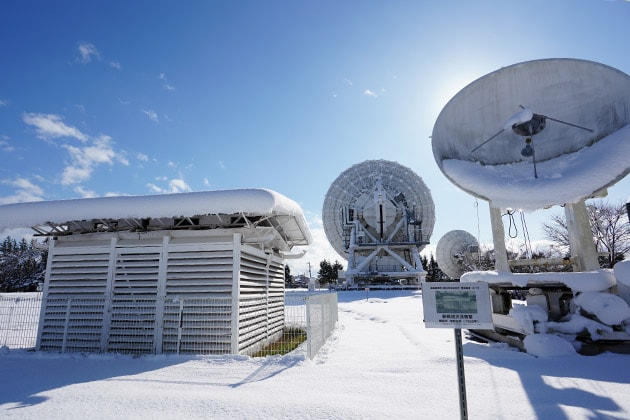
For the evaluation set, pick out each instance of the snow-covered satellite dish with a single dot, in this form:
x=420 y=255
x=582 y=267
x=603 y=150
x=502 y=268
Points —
x=378 y=215
x=537 y=134
x=454 y=251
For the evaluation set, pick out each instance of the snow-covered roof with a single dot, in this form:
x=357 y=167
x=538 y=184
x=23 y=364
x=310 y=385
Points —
x=283 y=213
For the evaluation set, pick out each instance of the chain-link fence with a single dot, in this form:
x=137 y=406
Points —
x=178 y=326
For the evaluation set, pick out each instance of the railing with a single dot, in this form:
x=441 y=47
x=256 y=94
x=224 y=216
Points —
x=19 y=319
x=320 y=315
x=83 y=324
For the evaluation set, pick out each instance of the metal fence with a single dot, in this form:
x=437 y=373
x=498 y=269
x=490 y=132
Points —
x=19 y=319
x=319 y=314
x=193 y=326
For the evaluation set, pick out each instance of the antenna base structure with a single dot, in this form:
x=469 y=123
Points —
x=378 y=215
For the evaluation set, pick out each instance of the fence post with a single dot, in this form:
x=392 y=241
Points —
x=180 y=324
x=309 y=334
x=66 y=325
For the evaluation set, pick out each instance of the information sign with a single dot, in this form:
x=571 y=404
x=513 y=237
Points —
x=457 y=305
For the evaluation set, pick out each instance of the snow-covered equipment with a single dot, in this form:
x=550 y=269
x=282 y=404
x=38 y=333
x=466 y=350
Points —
x=378 y=215
x=584 y=152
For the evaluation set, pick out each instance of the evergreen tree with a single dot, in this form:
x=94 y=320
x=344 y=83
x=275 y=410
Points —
x=328 y=273
x=22 y=266
x=288 y=278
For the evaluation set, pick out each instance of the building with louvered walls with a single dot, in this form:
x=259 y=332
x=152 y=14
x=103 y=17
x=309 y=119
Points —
x=193 y=273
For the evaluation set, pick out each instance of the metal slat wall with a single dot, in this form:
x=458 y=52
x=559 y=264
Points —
x=134 y=300
x=261 y=304
x=69 y=321
x=138 y=296
x=198 y=304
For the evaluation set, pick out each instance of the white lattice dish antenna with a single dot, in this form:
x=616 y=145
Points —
x=454 y=250
x=379 y=193
x=575 y=115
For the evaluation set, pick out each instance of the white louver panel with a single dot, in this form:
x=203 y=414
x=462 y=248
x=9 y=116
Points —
x=133 y=302
x=72 y=325
x=136 y=271
x=197 y=326
x=72 y=311
x=261 y=304
x=78 y=271
x=200 y=271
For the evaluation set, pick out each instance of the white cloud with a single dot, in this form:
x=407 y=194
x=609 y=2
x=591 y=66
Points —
x=178 y=185
x=26 y=191
x=368 y=92
x=87 y=51
x=175 y=185
x=75 y=174
x=165 y=83
x=85 y=159
x=349 y=82
x=154 y=188
x=115 y=64
x=171 y=164
x=50 y=126
x=318 y=251
x=4 y=102
x=206 y=182
x=122 y=158
x=221 y=165
x=4 y=144
x=151 y=114
x=85 y=193
x=142 y=157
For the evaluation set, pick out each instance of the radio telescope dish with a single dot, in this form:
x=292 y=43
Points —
x=537 y=134
x=454 y=250
x=378 y=215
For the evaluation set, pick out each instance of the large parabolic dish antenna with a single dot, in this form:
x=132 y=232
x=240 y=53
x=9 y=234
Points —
x=537 y=134
x=378 y=215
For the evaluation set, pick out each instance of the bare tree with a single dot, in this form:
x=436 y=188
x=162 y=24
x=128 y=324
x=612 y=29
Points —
x=610 y=228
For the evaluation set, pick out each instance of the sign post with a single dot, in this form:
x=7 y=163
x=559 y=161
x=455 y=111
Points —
x=457 y=306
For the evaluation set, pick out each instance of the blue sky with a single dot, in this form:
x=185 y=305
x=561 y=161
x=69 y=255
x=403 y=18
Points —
x=143 y=97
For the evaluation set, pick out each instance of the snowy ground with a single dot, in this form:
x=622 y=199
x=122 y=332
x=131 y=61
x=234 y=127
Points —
x=380 y=363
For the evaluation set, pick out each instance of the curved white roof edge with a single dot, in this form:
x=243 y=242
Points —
x=250 y=202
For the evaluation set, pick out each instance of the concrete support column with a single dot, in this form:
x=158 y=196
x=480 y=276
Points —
x=498 y=237
x=580 y=237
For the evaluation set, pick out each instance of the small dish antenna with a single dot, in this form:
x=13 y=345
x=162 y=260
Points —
x=456 y=253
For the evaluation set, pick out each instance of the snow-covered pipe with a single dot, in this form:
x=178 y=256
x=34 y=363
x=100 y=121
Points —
x=294 y=256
